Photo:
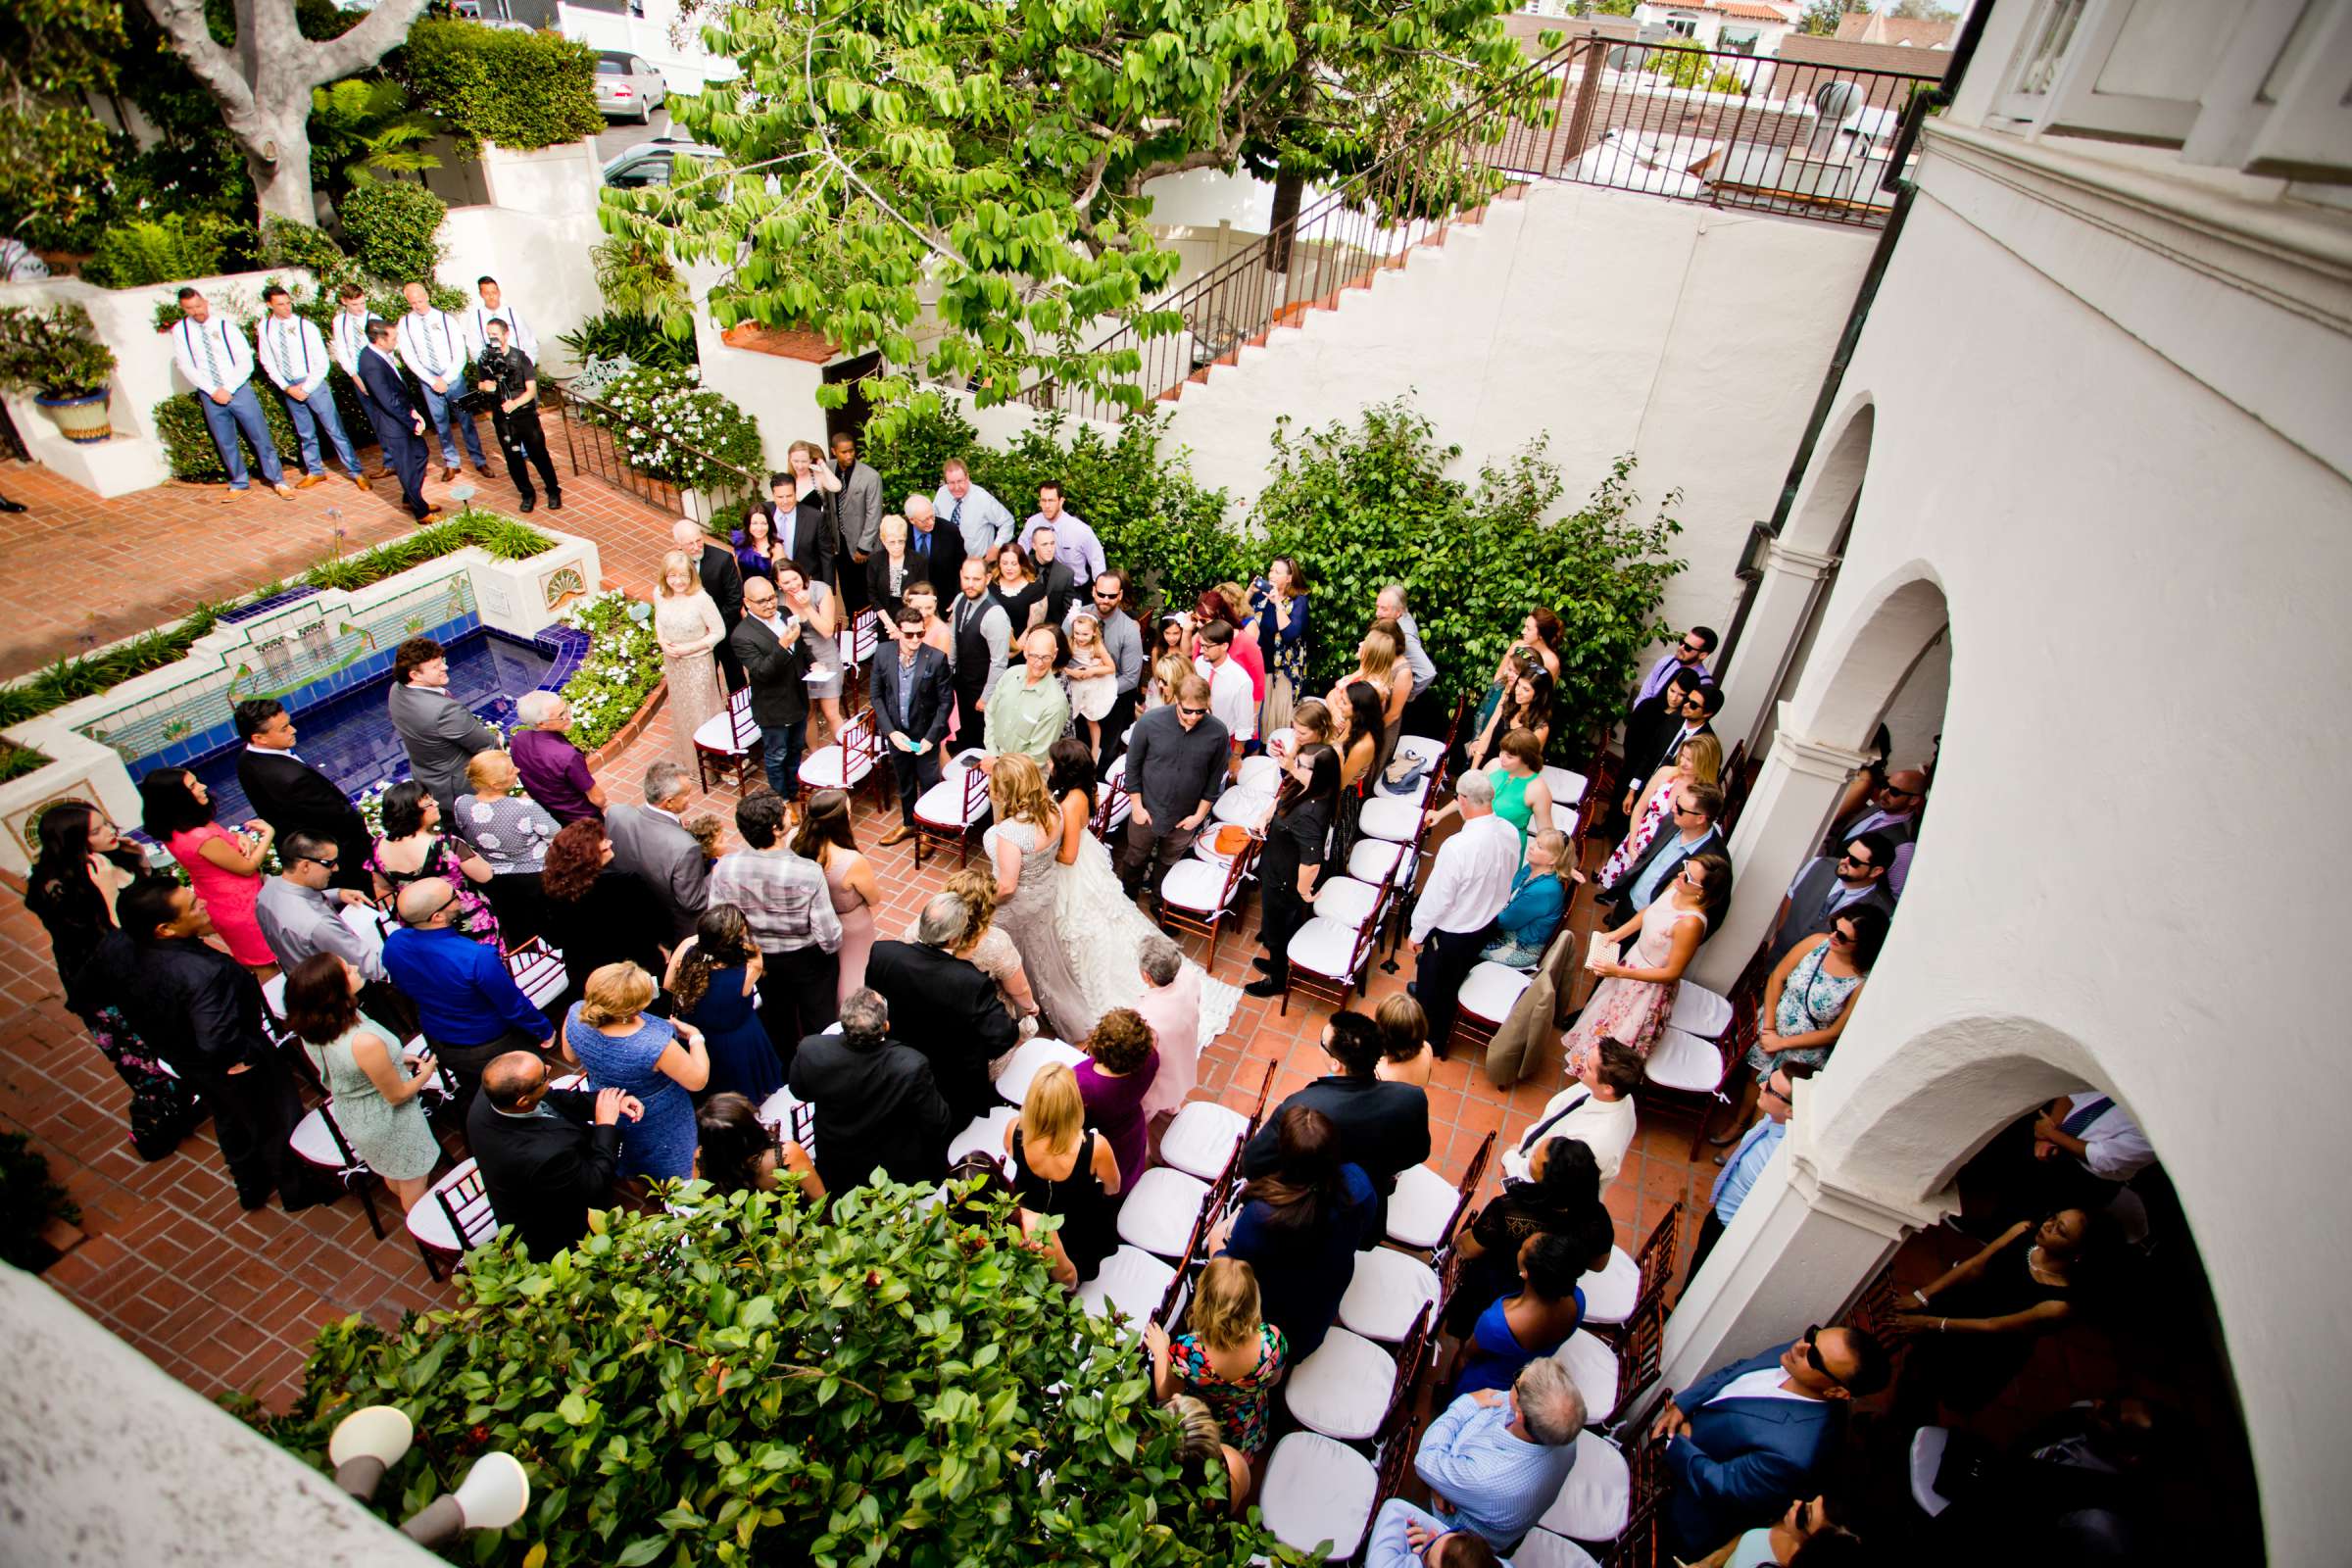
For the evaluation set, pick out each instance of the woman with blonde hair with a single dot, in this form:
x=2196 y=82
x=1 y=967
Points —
x=1024 y=846
x=985 y=946
x=1061 y=1168
x=1698 y=762
x=1167 y=673
x=797 y=594
x=1202 y=1451
x=1379 y=661
x=1539 y=903
x=687 y=625
x=609 y=1036
x=1231 y=1359
x=889 y=569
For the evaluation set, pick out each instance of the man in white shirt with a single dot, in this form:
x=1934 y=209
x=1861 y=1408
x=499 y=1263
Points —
x=1456 y=912
x=982 y=521
x=2088 y=1147
x=433 y=345
x=214 y=358
x=347 y=333
x=293 y=355
x=1596 y=1109
x=1230 y=698
x=494 y=308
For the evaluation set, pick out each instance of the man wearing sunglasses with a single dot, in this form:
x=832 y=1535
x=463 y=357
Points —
x=1175 y=768
x=1687 y=652
x=301 y=914
x=1123 y=640
x=1829 y=886
x=913 y=698
x=1894 y=814
x=1743 y=1164
x=1748 y=1437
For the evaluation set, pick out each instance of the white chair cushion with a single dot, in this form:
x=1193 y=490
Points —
x=823 y=768
x=1597 y=1500
x=1325 y=947
x=1260 y=775
x=985 y=1136
x=776 y=1110
x=1611 y=1295
x=943 y=805
x=1543 y=1549
x=541 y=978
x=1131 y=1280
x=1927 y=1457
x=1242 y=806
x=1317 y=1492
x=1031 y=1058
x=1700 y=1011
x=428 y=1221
x=367 y=922
x=1347 y=900
x=1201 y=1138
x=1387 y=1290
x=1159 y=1213
x=1492 y=990
x=315 y=1143
x=717 y=734
x=1197 y=885
x=1567 y=789
x=1685 y=1062
x=274 y=994
x=1394 y=818
x=1592 y=1367
x=1343 y=1390
x=1378 y=861
x=1419 y=1208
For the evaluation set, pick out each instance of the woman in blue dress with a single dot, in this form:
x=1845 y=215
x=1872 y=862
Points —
x=1277 y=613
x=714 y=985
x=1516 y=1329
x=663 y=1063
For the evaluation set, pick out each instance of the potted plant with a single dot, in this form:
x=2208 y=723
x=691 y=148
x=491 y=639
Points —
x=56 y=356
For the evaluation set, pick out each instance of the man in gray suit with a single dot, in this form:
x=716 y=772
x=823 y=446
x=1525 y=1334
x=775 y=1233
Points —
x=857 y=508
x=649 y=841
x=440 y=732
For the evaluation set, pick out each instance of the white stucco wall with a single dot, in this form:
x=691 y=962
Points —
x=1611 y=321
x=2087 y=500
x=535 y=236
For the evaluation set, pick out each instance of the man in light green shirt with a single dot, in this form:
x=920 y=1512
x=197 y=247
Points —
x=1029 y=714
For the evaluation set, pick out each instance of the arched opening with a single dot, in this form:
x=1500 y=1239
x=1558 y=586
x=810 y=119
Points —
x=1822 y=516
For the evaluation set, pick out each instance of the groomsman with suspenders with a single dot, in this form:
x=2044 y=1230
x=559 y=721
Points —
x=347 y=340
x=294 y=356
x=493 y=307
x=433 y=345
x=217 y=362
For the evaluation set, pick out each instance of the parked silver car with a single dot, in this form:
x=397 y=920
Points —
x=628 y=88
x=649 y=163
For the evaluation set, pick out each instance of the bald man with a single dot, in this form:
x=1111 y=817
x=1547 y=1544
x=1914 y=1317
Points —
x=934 y=552
x=1894 y=814
x=470 y=1006
x=547 y=1156
x=722 y=579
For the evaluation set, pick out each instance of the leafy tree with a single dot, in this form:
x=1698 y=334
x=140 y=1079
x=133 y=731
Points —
x=1359 y=505
x=260 y=80
x=54 y=153
x=1820 y=16
x=749 y=1382
x=362 y=128
x=976 y=166
x=1921 y=10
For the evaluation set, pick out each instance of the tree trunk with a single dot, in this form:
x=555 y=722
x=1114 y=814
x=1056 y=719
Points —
x=283 y=183
x=1288 y=189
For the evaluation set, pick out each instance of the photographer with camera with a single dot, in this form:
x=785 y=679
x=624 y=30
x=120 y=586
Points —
x=506 y=381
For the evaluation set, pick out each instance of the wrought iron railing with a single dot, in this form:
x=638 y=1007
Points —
x=592 y=450
x=1714 y=126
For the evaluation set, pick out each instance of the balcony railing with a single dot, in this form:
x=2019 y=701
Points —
x=593 y=451
x=1711 y=126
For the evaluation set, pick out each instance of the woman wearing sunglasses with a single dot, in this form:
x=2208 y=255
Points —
x=1634 y=1000
x=1811 y=994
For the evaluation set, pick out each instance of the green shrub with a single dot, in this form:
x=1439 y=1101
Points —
x=752 y=1382
x=1364 y=505
x=622 y=667
x=164 y=250
x=518 y=90
x=286 y=243
x=55 y=351
x=617 y=334
x=392 y=226
x=668 y=428
x=17 y=761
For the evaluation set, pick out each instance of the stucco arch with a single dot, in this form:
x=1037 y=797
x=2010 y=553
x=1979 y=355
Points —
x=1853 y=678
x=1834 y=482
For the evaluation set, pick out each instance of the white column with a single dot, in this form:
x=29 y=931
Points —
x=1776 y=622
x=1803 y=1244
x=1781 y=828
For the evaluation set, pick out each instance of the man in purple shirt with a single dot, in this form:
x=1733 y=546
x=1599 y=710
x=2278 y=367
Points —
x=552 y=771
x=1690 y=653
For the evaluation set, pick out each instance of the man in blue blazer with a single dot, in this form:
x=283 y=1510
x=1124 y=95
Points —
x=914 y=696
x=1748 y=1438
x=398 y=420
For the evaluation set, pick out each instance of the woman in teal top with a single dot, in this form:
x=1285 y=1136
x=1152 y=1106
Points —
x=1776 y=1545
x=1521 y=797
x=1539 y=901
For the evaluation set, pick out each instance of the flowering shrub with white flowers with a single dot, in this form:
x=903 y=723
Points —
x=623 y=666
x=669 y=429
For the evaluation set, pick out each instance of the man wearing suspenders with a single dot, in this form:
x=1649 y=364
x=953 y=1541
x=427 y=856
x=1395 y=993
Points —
x=213 y=355
x=293 y=355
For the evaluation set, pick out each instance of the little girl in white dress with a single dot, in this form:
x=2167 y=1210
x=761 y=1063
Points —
x=1094 y=679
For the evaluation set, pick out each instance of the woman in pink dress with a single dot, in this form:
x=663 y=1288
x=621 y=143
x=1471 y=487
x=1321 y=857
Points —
x=826 y=839
x=1633 y=1000
x=223 y=867
x=1698 y=762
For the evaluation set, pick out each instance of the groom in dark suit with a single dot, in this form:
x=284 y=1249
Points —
x=914 y=697
x=398 y=416
x=775 y=656
x=944 y=1006
x=292 y=796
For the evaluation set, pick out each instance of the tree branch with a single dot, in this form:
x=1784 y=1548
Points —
x=182 y=22
x=363 y=45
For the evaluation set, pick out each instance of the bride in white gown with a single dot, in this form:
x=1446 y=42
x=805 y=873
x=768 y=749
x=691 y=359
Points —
x=1101 y=932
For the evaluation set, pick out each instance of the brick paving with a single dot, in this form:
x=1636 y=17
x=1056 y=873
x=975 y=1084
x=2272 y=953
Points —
x=225 y=1299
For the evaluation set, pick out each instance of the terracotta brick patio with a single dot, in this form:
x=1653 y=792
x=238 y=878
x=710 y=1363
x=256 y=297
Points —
x=227 y=1300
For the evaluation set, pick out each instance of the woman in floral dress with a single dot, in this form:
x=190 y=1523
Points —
x=414 y=846
x=1698 y=762
x=1632 y=1002
x=1278 y=610
x=1231 y=1360
x=688 y=626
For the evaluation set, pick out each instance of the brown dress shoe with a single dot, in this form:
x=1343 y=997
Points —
x=310 y=480
x=359 y=479
x=896 y=835
x=449 y=476
x=432 y=515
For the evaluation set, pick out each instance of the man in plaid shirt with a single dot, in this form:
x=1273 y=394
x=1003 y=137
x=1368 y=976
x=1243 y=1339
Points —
x=784 y=900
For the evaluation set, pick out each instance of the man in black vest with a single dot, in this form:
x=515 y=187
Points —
x=983 y=647
x=722 y=579
x=912 y=701
x=292 y=796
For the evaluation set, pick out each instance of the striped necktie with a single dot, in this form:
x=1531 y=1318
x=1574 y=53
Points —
x=285 y=356
x=211 y=362
x=432 y=360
